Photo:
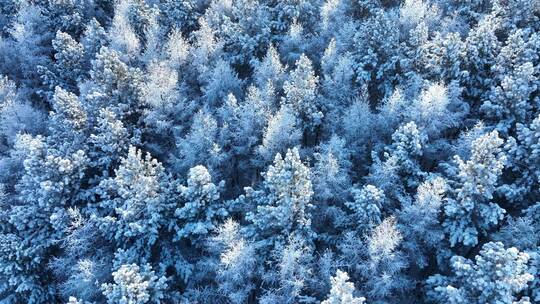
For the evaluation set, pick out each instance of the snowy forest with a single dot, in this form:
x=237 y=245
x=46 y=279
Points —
x=270 y=151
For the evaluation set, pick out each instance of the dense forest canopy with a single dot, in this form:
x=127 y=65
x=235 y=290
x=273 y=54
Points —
x=270 y=151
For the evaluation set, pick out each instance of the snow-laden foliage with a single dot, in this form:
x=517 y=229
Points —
x=134 y=284
x=202 y=207
x=283 y=206
x=469 y=212
x=342 y=290
x=496 y=276
x=263 y=151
